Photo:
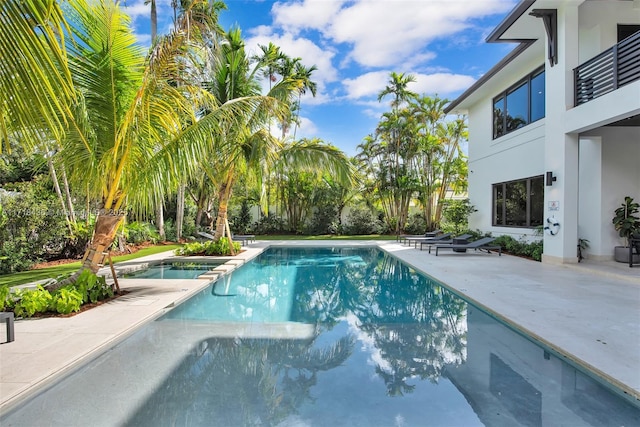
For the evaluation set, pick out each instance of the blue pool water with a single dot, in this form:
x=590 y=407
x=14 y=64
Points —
x=173 y=270
x=327 y=337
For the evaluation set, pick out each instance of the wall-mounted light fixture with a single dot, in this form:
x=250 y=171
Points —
x=550 y=179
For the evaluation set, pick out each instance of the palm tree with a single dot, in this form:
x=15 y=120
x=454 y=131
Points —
x=245 y=145
x=133 y=124
x=392 y=125
x=34 y=88
x=398 y=88
x=153 y=18
x=304 y=75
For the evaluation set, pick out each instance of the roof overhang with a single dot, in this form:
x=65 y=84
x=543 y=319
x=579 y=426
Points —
x=519 y=26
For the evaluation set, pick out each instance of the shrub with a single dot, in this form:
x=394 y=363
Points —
x=140 y=232
x=324 y=220
x=241 y=222
x=456 y=214
x=520 y=247
x=362 y=221
x=220 y=247
x=4 y=296
x=270 y=224
x=67 y=300
x=32 y=301
x=15 y=255
x=416 y=224
x=91 y=287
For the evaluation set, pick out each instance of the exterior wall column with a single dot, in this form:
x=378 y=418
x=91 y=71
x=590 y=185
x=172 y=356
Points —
x=561 y=150
x=590 y=202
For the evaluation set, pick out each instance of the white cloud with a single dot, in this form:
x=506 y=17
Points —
x=366 y=85
x=384 y=33
x=308 y=14
x=307 y=129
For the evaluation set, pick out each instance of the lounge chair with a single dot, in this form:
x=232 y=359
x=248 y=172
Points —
x=428 y=234
x=480 y=244
x=422 y=239
x=458 y=239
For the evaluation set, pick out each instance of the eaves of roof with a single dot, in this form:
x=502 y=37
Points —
x=496 y=37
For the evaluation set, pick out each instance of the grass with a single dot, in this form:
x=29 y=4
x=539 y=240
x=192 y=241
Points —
x=23 y=277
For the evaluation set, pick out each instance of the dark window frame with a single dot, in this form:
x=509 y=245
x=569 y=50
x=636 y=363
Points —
x=503 y=97
x=502 y=222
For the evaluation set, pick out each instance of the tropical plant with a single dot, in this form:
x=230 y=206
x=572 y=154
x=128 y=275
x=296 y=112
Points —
x=131 y=119
x=626 y=220
x=36 y=88
x=92 y=288
x=66 y=300
x=245 y=144
x=456 y=213
x=31 y=301
x=222 y=247
x=414 y=154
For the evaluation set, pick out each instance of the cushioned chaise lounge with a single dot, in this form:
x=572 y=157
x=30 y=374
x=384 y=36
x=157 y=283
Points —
x=428 y=234
x=480 y=244
x=421 y=239
x=457 y=239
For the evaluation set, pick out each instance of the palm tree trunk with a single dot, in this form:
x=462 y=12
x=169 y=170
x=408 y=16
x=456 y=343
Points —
x=180 y=211
x=65 y=182
x=104 y=233
x=160 y=219
x=56 y=185
x=224 y=195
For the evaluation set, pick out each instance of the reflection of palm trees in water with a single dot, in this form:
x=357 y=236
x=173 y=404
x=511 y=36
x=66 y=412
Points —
x=242 y=381
x=414 y=325
x=417 y=326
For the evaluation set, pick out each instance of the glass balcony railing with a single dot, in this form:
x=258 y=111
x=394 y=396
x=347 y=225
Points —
x=613 y=68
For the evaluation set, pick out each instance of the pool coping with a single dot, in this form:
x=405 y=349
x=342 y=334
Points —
x=475 y=277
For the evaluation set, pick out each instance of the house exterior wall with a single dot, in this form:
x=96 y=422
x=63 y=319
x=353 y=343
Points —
x=492 y=161
x=596 y=165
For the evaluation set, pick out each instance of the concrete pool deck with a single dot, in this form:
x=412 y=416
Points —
x=588 y=312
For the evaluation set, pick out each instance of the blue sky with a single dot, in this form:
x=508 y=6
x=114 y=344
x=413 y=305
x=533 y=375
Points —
x=356 y=45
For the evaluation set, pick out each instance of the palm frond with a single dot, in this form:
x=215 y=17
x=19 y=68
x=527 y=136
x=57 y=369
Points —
x=35 y=83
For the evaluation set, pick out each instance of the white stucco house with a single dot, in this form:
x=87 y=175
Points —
x=554 y=127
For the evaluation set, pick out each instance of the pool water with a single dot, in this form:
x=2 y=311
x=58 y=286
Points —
x=327 y=337
x=173 y=270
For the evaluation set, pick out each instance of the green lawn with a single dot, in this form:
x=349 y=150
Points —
x=53 y=272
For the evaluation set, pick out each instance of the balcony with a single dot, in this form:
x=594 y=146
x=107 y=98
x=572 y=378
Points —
x=613 y=68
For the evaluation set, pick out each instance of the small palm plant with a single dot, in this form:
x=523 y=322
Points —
x=626 y=220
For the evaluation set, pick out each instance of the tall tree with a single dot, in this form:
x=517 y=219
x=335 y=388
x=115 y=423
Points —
x=245 y=144
x=391 y=128
x=133 y=123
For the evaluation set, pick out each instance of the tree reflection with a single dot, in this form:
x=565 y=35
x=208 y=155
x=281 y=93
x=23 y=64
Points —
x=230 y=382
x=417 y=326
x=413 y=327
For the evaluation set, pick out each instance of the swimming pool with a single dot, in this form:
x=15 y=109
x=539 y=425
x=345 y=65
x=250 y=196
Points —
x=173 y=270
x=327 y=337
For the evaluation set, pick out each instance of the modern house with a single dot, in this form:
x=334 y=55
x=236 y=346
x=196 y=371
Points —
x=554 y=128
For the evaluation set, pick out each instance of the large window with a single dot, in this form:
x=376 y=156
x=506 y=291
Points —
x=521 y=104
x=519 y=203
